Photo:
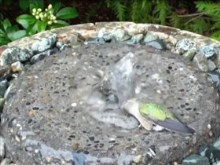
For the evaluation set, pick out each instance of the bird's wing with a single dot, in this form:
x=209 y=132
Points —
x=132 y=107
x=155 y=112
x=161 y=116
x=147 y=124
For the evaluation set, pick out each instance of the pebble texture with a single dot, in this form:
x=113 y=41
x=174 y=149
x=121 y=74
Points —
x=49 y=119
x=203 y=51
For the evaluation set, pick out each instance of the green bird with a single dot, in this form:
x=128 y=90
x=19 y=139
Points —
x=151 y=114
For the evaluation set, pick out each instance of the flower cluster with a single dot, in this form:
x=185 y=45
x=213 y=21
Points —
x=45 y=16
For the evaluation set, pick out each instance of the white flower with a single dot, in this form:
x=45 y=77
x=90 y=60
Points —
x=34 y=11
x=49 y=22
x=49 y=6
x=39 y=9
x=52 y=17
x=41 y=15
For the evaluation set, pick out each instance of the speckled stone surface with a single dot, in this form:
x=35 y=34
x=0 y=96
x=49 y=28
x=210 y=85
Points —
x=46 y=107
x=45 y=117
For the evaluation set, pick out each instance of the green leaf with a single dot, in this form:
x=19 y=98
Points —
x=135 y=12
x=215 y=35
x=59 y=23
x=119 y=8
x=209 y=8
x=31 y=30
x=175 y=20
x=11 y=29
x=67 y=13
x=199 y=25
x=56 y=6
x=37 y=4
x=6 y=24
x=4 y=40
x=2 y=32
x=16 y=35
x=26 y=20
x=24 y=4
x=41 y=26
x=37 y=27
x=162 y=8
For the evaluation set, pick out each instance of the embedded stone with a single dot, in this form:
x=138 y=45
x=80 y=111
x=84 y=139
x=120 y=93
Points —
x=157 y=44
x=150 y=37
x=211 y=65
x=44 y=44
x=42 y=55
x=120 y=35
x=196 y=160
x=208 y=51
x=189 y=54
x=136 y=39
x=11 y=55
x=61 y=46
x=17 y=67
x=216 y=163
x=185 y=45
x=212 y=153
x=201 y=62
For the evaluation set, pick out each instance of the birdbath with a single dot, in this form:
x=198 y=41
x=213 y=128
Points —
x=64 y=94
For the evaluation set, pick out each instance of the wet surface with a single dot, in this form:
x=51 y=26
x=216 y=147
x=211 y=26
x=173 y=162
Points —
x=46 y=114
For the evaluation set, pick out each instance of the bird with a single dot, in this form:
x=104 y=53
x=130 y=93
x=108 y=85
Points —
x=151 y=114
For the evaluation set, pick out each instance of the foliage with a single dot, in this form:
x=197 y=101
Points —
x=9 y=32
x=39 y=20
x=119 y=7
x=42 y=20
x=206 y=20
x=140 y=10
x=212 y=10
x=198 y=16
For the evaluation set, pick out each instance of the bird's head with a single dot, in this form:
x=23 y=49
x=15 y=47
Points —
x=131 y=106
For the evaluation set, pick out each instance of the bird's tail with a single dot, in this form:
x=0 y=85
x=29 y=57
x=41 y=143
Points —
x=176 y=126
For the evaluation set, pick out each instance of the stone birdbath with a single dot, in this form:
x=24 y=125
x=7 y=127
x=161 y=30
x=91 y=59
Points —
x=52 y=105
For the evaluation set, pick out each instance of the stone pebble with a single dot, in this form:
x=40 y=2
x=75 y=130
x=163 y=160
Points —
x=11 y=55
x=44 y=44
x=17 y=67
x=208 y=51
